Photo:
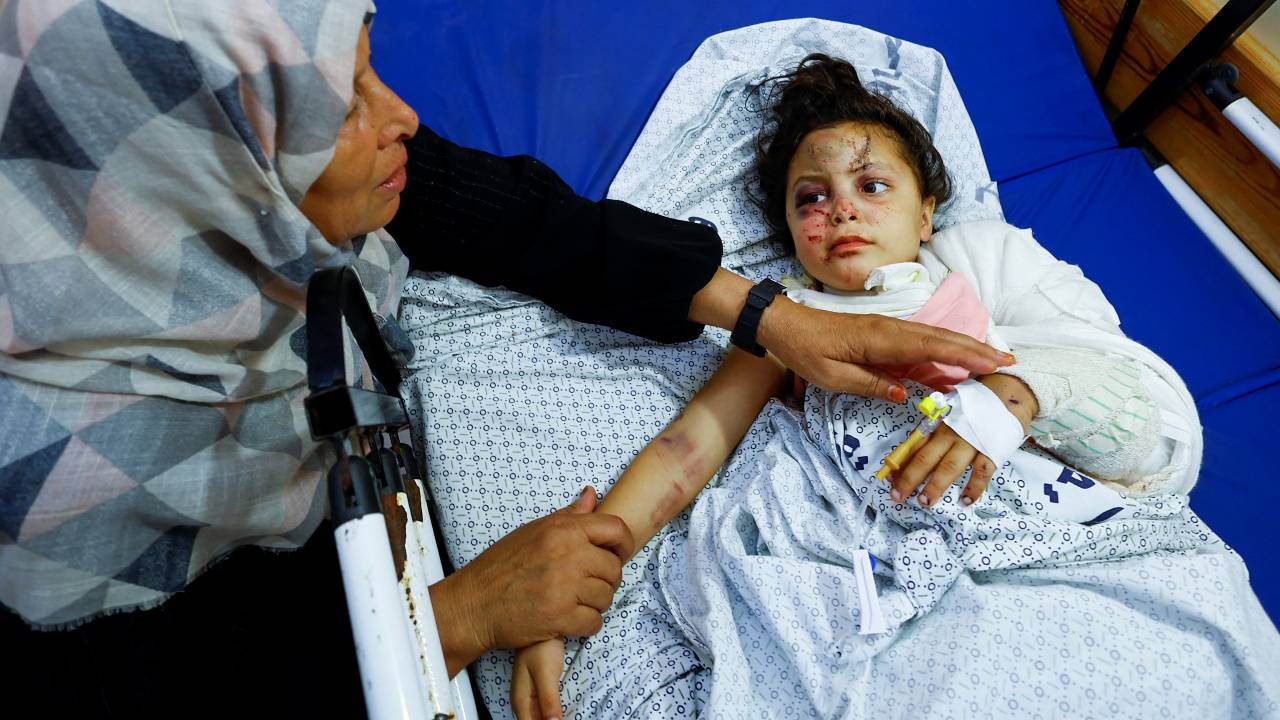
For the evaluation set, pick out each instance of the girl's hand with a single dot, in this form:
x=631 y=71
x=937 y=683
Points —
x=942 y=459
x=535 y=681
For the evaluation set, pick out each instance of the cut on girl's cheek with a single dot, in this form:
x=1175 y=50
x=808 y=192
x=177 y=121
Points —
x=815 y=224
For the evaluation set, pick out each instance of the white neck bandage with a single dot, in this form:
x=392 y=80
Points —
x=898 y=290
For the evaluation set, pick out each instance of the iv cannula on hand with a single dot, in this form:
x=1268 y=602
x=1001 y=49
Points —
x=935 y=408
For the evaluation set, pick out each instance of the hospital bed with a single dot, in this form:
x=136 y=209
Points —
x=573 y=83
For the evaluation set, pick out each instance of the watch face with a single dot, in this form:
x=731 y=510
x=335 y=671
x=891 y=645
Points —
x=764 y=292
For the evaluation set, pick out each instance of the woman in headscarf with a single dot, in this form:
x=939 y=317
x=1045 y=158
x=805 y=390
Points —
x=171 y=174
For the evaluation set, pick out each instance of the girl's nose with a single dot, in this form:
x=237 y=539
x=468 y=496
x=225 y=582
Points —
x=843 y=211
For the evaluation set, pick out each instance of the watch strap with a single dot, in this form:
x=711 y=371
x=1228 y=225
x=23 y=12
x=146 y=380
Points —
x=744 y=331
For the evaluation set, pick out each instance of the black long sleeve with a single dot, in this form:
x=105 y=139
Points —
x=513 y=222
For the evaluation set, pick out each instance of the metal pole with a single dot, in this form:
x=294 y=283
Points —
x=1113 y=47
x=402 y=665
x=428 y=555
x=402 y=530
x=384 y=650
x=1213 y=39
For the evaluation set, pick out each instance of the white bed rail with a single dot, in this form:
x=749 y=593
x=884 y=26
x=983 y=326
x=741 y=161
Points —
x=1219 y=84
x=383 y=648
x=1257 y=275
x=402 y=668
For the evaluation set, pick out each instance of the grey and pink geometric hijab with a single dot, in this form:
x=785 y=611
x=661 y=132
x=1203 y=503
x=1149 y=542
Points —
x=153 y=264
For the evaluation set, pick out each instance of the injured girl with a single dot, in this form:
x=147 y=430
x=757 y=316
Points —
x=990 y=576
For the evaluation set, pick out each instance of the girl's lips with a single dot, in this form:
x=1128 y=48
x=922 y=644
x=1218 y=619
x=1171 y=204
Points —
x=846 y=244
x=396 y=182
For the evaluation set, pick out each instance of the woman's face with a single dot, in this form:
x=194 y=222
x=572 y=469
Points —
x=359 y=191
x=853 y=204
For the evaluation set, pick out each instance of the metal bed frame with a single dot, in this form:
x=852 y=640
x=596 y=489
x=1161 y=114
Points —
x=1196 y=64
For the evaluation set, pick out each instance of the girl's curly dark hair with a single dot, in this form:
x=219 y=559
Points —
x=824 y=91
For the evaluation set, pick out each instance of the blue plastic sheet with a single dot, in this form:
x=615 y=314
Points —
x=572 y=83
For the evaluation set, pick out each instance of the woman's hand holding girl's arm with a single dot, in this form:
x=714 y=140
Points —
x=552 y=576
x=660 y=482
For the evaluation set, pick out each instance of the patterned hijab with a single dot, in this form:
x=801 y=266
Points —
x=153 y=266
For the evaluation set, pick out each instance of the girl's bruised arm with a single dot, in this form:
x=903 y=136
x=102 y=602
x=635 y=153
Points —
x=676 y=465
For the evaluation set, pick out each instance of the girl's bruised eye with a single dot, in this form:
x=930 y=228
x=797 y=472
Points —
x=809 y=196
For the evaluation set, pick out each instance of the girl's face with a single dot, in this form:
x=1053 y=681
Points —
x=853 y=204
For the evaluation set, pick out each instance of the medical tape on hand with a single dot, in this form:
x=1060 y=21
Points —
x=981 y=419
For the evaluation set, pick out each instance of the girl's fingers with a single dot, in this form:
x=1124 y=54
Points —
x=947 y=471
x=922 y=462
x=522 y=692
x=546 y=677
x=983 y=470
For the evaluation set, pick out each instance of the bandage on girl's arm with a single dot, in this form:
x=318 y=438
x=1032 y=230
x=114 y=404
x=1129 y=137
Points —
x=674 y=467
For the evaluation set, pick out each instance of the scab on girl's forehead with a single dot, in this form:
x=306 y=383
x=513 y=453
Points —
x=872 y=147
x=850 y=139
x=864 y=154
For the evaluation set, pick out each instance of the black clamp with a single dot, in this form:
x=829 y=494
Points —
x=1219 y=84
x=350 y=417
x=744 y=331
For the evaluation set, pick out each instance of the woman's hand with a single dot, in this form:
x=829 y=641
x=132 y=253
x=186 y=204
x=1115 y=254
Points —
x=551 y=577
x=944 y=456
x=535 y=681
x=842 y=352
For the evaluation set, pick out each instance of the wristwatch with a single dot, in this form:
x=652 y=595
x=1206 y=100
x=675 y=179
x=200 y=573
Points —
x=744 y=331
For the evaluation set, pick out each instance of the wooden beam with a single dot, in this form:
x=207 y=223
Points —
x=1236 y=180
